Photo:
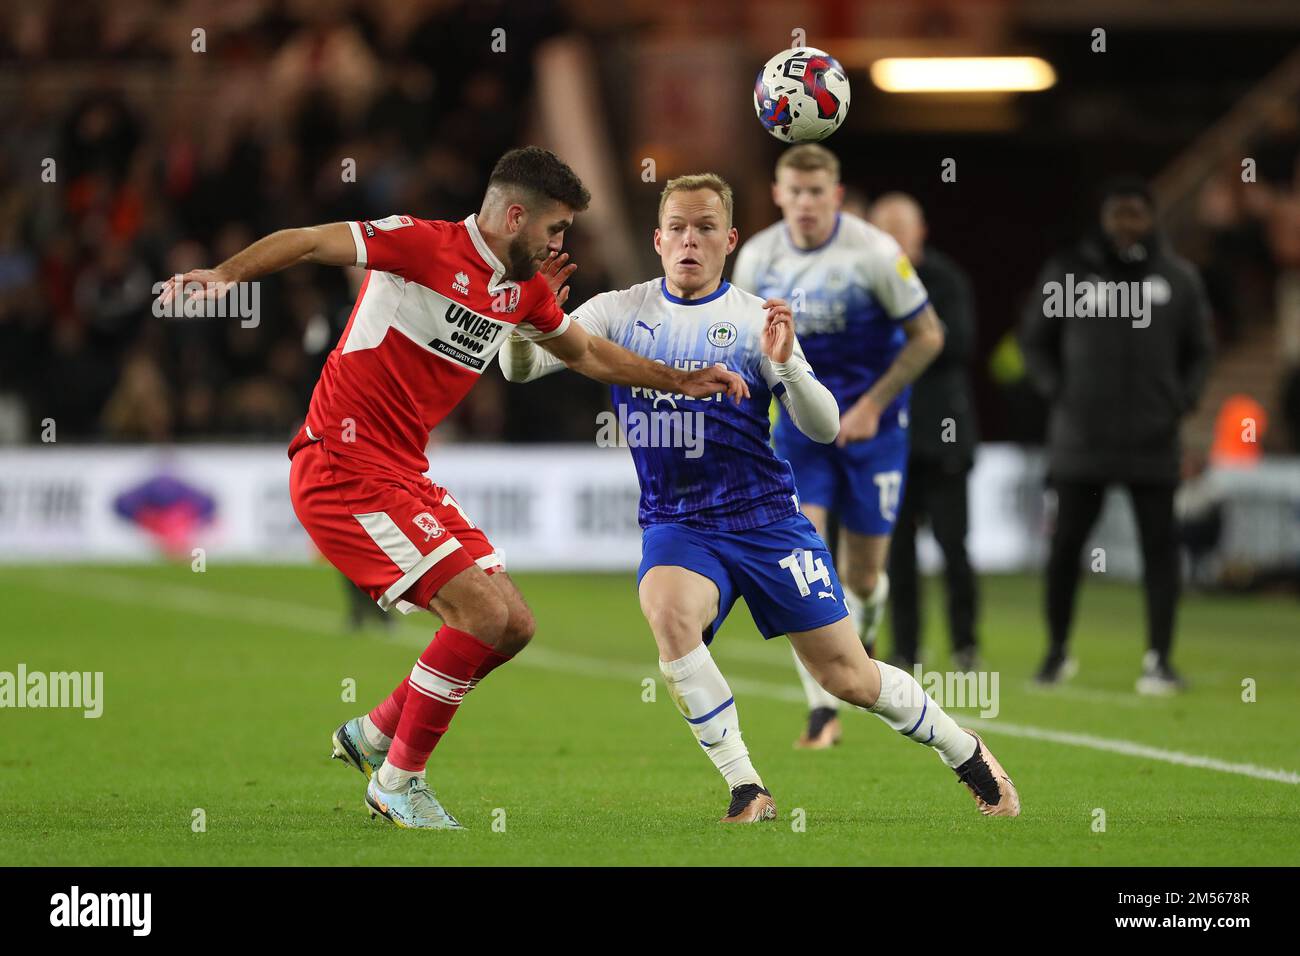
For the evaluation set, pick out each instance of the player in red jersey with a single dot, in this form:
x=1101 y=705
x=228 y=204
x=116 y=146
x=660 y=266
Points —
x=438 y=302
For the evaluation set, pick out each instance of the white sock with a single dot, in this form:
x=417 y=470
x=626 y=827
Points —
x=394 y=779
x=817 y=696
x=705 y=700
x=867 y=610
x=374 y=736
x=909 y=710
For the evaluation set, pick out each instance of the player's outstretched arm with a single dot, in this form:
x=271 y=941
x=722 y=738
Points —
x=809 y=403
x=612 y=364
x=924 y=342
x=330 y=245
x=522 y=360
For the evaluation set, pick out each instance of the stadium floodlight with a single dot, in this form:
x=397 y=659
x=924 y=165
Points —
x=963 y=74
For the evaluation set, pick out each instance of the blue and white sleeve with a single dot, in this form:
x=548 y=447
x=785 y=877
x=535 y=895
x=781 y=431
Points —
x=810 y=404
x=893 y=281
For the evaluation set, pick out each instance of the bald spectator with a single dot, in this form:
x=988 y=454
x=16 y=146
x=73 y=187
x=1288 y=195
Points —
x=943 y=445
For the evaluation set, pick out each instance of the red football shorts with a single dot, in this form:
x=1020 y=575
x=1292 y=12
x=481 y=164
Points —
x=398 y=537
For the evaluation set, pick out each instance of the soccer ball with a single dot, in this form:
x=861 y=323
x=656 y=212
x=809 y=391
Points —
x=801 y=95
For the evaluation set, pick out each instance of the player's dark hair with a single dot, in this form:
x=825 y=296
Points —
x=541 y=172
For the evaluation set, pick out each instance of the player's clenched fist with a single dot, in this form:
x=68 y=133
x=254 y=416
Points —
x=704 y=382
x=778 y=333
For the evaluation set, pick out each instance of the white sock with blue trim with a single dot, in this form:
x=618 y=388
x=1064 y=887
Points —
x=867 y=610
x=705 y=700
x=906 y=707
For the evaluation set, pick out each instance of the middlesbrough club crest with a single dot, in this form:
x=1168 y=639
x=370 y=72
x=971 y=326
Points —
x=507 y=300
x=429 y=525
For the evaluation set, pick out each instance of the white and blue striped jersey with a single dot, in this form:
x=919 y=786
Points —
x=734 y=481
x=850 y=296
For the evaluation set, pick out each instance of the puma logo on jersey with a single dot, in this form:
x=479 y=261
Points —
x=461 y=283
x=648 y=329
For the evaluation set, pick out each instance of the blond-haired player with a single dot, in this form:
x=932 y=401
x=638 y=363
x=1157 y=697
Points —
x=720 y=514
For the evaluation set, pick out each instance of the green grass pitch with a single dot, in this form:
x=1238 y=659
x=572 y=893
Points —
x=221 y=690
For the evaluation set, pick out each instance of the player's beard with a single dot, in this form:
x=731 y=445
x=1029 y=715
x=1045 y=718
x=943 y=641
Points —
x=520 y=263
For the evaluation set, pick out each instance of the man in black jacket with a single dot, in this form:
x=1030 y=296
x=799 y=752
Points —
x=1117 y=336
x=943 y=445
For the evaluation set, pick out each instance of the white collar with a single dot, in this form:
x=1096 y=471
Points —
x=490 y=257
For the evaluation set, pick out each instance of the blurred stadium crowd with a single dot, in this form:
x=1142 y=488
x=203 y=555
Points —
x=167 y=160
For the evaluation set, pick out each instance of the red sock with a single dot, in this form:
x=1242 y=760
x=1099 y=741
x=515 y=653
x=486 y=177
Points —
x=438 y=682
x=389 y=713
x=490 y=663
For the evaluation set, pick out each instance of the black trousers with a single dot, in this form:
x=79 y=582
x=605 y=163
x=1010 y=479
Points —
x=1078 y=505
x=935 y=493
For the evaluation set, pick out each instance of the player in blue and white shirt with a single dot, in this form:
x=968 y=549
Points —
x=718 y=507
x=868 y=328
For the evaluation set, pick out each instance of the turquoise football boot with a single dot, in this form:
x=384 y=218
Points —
x=413 y=808
x=350 y=746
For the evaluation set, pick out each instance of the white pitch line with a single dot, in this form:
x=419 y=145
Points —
x=780 y=659
x=230 y=606
x=544 y=658
x=1092 y=695
x=757 y=653
x=261 y=610
x=1130 y=749
x=185 y=598
x=572 y=663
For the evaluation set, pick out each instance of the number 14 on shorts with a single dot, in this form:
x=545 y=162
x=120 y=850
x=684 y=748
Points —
x=806 y=568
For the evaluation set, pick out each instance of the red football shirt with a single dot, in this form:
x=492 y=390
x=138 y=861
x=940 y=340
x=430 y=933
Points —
x=431 y=314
